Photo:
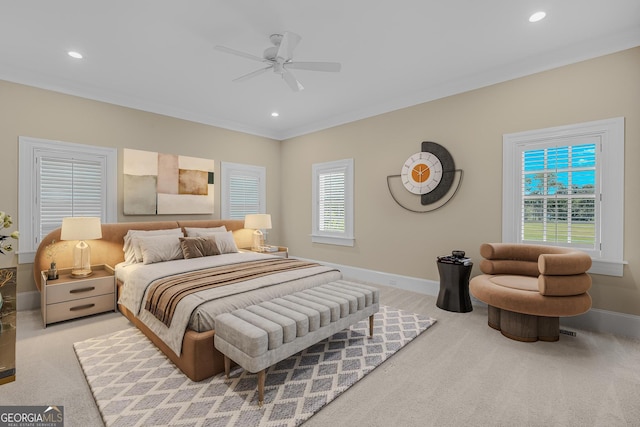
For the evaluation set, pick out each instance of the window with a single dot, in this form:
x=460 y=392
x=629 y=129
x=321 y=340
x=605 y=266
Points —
x=58 y=180
x=333 y=203
x=243 y=190
x=559 y=194
x=564 y=187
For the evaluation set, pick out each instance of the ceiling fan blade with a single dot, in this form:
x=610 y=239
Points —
x=287 y=45
x=293 y=83
x=239 y=53
x=315 y=66
x=252 y=74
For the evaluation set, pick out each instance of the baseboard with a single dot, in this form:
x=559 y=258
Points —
x=596 y=320
x=28 y=300
x=423 y=286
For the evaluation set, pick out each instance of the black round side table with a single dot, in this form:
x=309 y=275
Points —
x=454 y=284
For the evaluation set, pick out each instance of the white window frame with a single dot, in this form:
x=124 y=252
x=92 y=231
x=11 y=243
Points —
x=608 y=258
x=30 y=149
x=347 y=237
x=227 y=170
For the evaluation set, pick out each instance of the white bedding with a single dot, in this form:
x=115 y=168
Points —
x=198 y=311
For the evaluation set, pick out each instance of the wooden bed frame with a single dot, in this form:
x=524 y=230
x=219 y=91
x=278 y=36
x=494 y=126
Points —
x=199 y=358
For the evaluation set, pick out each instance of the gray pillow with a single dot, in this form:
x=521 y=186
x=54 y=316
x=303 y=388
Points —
x=225 y=242
x=160 y=248
x=200 y=232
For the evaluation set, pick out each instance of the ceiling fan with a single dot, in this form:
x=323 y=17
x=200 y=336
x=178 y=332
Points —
x=280 y=60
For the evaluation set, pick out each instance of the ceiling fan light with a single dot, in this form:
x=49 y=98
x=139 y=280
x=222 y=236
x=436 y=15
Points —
x=74 y=54
x=275 y=114
x=538 y=16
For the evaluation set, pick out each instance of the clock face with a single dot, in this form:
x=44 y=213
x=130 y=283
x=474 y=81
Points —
x=421 y=173
x=429 y=173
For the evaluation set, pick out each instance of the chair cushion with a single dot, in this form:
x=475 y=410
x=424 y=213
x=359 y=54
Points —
x=523 y=283
x=528 y=302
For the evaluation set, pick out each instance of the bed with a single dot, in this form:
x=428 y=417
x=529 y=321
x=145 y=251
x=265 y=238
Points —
x=187 y=338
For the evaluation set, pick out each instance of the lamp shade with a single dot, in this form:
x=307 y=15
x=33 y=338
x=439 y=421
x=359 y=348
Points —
x=258 y=221
x=81 y=228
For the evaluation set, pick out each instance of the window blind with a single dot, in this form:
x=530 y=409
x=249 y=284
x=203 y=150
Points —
x=244 y=195
x=559 y=195
x=69 y=187
x=331 y=201
x=242 y=190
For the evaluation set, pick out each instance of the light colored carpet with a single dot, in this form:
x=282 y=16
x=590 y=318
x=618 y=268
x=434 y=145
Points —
x=460 y=373
x=134 y=384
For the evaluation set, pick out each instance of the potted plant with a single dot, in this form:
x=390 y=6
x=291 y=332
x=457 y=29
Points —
x=50 y=251
x=7 y=304
x=6 y=274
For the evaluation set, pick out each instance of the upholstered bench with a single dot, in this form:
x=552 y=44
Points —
x=261 y=335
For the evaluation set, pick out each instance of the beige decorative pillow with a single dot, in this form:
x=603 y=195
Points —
x=160 y=248
x=201 y=232
x=225 y=242
x=196 y=247
x=131 y=248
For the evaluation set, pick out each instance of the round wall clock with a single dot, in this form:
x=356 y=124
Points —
x=429 y=173
x=421 y=173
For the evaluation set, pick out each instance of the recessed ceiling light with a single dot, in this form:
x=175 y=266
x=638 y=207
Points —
x=275 y=114
x=74 y=54
x=538 y=16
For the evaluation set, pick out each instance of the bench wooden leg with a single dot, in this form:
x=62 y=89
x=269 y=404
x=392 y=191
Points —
x=261 y=376
x=227 y=366
x=371 y=325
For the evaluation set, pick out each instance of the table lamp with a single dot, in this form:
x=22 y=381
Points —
x=81 y=228
x=258 y=222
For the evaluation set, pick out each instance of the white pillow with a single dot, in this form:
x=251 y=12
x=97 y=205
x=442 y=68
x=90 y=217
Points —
x=225 y=242
x=160 y=248
x=131 y=248
x=204 y=232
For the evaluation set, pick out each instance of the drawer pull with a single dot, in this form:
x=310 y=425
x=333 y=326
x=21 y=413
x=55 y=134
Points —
x=81 y=290
x=81 y=307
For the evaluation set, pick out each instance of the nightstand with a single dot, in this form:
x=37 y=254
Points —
x=69 y=298
x=282 y=251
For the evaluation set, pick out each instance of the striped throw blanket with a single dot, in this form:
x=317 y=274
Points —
x=164 y=294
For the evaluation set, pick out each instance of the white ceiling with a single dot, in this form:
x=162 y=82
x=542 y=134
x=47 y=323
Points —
x=158 y=56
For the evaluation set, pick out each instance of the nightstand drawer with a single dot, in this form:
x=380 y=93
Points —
x=70 y=291
x=79 y=307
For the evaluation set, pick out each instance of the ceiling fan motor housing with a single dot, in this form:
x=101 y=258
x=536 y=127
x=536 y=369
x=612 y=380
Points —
x=270 y=53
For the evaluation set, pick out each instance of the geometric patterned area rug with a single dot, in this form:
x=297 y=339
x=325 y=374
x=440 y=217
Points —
x=134 y=384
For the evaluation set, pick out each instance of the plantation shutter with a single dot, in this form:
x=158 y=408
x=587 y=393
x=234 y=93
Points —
x=69 y=187
x=243 y=190
x=244 y=196
x=559 y=204
x=331 y=201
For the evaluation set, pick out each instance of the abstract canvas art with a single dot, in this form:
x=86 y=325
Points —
x=163 y=184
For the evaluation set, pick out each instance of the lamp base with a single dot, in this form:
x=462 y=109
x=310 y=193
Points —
x=81 y=273
x=258 y=240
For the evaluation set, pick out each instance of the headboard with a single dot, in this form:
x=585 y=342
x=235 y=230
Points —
x=108 y=250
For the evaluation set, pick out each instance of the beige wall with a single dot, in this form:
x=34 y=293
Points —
x=27 y=111
x=388 y=238
x=470 y=126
